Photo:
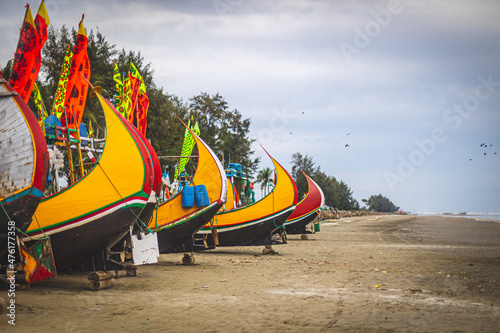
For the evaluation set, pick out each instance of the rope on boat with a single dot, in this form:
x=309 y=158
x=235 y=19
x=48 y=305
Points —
x=19 y=230
x=43 y=232
x=126 y=203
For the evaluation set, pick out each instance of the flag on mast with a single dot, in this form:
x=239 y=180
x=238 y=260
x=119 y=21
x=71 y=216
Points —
x=135 y=83
x=58 y=106
x=40 y=106
x=28 y=47
x=76 y=94
x=187 y=147
x=42 y=21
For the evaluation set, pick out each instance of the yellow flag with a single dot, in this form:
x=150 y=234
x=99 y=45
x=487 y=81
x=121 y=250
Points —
x=60 y=98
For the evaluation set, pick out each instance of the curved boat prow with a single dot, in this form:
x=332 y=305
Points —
x=24 y=162
x=307 y=209
x=255 y=223
x=175 y=225
x=98 y=209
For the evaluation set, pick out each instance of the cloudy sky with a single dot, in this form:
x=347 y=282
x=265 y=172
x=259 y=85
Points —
x=412 y=87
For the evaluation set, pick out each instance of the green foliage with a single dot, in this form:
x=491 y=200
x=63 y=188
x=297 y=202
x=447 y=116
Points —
x=224 y=130
x=265 y=178
x=306 y=164
x=379 y=203
x=337 y=194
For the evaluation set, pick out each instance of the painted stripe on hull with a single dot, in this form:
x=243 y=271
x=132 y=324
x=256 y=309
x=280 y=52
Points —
x=240 y=225
x=136 y=202
x=187 y=217
x=256 y=233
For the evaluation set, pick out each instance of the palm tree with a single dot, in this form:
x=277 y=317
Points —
x=265 y=178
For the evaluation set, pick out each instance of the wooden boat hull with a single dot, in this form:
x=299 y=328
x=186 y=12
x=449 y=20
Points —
x=20 y=209
x=307 y=209
x=145 y=216
x=24 y=163
x=90 y=238
x=298 y=226
x=253 y=233
x=175 y=225
x=179 y=236
x=98 y=210
x=255 y=223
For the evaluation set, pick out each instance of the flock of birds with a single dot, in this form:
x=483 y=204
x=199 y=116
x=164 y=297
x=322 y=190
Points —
x=485 y=145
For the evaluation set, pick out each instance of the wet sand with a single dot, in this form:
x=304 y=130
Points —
x=378 y=274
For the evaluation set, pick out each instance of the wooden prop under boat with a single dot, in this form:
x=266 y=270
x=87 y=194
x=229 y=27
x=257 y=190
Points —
x=255 y=223
x=98 y=210
x=175 y=225
x=307 y=209
x=24 y=163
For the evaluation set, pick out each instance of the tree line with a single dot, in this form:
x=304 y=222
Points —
x=224 y=129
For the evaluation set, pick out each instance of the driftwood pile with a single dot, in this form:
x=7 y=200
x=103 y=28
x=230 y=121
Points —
x=338 y=214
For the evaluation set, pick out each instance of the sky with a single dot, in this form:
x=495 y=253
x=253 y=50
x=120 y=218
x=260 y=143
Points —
x=399 y=98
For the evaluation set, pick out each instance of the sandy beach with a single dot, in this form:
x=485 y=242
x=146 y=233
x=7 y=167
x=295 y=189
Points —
x=374 y=273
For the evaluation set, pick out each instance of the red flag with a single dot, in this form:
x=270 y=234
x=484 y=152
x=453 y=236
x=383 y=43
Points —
x=142 y=112
x=76 y=103
x=28 y=48
x=79 y=52
x=77 y=87
x=41 y=22
x=142 y=109
x=135 y=83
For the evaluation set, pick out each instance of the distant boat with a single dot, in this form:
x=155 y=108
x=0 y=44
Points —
x=253 y=224
x=97 y=210
x=175 y=225
x=24 y=162
x=307 y=209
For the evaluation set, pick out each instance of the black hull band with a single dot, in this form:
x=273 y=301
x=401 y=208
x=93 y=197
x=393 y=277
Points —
x=72 y=246
x=179 y=237
x=299 y=226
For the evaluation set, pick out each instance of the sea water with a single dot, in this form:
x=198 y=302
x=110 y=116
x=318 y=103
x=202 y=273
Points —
x=482 y=216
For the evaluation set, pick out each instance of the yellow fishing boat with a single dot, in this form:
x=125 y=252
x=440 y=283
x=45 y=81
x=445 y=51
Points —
x=254 y=224
x=97 y=210
x=175 y=225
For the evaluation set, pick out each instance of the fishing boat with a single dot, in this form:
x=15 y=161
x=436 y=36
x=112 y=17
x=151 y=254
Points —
x=175 y=225
x=148 y=210
x=307 y=209
x=98 y=210
x=24 y=162
x=255 y=223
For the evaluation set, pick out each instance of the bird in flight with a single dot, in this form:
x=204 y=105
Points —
x=347 y=145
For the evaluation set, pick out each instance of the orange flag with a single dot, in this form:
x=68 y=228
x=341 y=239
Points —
x=27 y=50
x=76 y=103
x=135 y=83
x=142 y=109
x=77 y=87
x=78 y=54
